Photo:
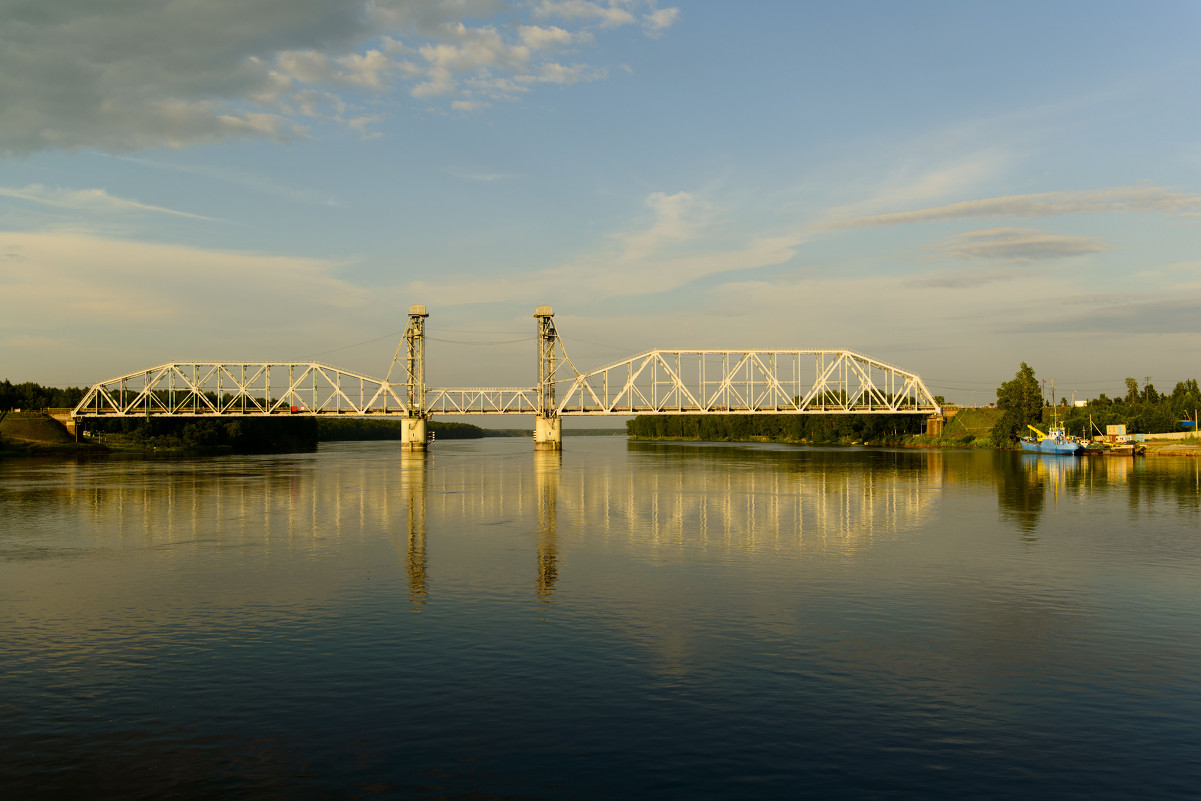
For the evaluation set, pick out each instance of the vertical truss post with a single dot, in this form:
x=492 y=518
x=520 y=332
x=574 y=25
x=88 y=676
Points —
x=415 y=361
x=548 y=431
x=414 y=435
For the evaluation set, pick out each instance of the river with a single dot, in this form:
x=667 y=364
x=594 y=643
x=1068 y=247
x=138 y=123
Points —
x=639 y=620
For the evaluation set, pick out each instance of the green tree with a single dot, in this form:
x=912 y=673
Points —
x=1022 y=401
x=1132 y=393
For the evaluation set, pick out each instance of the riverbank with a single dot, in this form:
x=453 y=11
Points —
x=35 y=434
x=1189 y=448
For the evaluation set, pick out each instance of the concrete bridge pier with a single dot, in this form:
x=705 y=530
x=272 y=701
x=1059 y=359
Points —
x=548 y=433
x=413 y=434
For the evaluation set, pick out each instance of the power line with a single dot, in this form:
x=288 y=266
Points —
x=357 y=344
x=480 y=341
x=470 y=331
x=602 y=345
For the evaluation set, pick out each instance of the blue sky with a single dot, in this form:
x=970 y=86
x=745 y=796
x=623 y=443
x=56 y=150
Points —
x=953 y=188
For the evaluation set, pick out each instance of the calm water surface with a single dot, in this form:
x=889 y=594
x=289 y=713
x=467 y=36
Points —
x=626 y=620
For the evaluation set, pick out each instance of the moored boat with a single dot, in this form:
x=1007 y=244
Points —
x=1055 y=441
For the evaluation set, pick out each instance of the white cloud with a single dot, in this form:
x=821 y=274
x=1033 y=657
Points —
x=676 y=217
x=660 y=20
x=120 y=77
x=96 y=201
x=539 y=38
x=565 y=75
x=609 y=15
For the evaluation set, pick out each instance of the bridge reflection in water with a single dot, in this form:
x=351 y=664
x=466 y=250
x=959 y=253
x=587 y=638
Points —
x=656 y=498
x=456 y=515
x=674 y=499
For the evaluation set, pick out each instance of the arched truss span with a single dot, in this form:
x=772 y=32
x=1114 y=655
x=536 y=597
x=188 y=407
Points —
x=747 y=382
x=220 y=389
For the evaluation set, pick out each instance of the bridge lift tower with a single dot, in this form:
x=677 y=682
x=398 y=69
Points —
x=548 y=425
x=413 y=434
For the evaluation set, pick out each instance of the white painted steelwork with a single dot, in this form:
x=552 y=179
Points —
x=816 y=381
x=483 y=400
x=253 y=389
x=754 y=381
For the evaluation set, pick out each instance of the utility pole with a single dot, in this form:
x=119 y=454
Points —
x=1146 y=389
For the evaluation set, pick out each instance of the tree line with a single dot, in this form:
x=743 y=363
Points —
x=242 y=435
x=31 y=396
x=1142 y=410
x=777 y=427
x=357 y=428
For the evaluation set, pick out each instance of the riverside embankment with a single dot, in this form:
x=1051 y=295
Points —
x=37 y=434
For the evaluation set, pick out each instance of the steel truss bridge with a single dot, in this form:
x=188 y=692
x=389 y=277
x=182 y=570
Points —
x=749 y=381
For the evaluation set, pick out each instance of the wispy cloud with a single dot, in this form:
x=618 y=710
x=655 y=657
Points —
x=673 y=248
x=1157 y=316
x=73 y=279
x=240 y=177
x=96 y=201
x=1117 y=200
x=676 y=218
x=967 y=279
x=479 y=176
x=911 y=177
x=1016 y=244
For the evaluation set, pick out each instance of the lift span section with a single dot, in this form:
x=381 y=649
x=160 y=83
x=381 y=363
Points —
x=256 y=389
x=816 y=381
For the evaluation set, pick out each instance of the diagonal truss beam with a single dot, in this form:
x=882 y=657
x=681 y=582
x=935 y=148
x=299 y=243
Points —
x=756 y=381
x=254 y=389
x=483 y=400
x=813 y=381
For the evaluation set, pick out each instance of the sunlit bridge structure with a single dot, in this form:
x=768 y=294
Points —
x=746 y=381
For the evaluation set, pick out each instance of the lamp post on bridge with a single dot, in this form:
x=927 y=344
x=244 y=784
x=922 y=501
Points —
x=548 y=426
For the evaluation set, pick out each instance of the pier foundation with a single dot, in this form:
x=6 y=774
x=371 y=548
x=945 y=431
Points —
x=413 y=434
x=548 y=433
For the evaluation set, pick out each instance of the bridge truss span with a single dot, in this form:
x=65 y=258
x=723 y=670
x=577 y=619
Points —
x=482 y=400
x=813 y=381
x=257 y=389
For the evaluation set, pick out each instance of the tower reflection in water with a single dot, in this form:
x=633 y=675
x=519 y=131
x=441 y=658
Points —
x=413 y=465
x=547 y=466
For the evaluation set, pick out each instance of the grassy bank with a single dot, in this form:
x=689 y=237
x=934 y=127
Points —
x=35 y=434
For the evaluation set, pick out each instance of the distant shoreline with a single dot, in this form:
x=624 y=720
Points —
x=1170 y=448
